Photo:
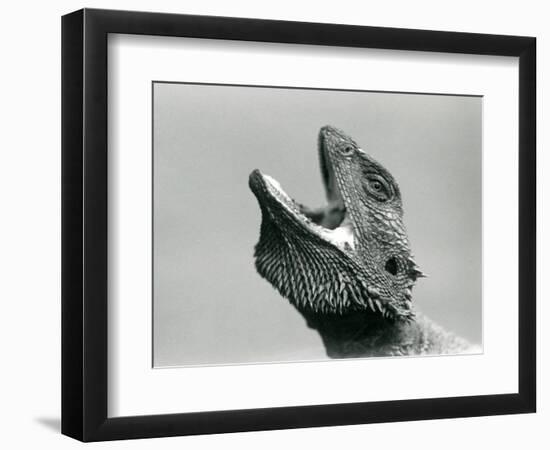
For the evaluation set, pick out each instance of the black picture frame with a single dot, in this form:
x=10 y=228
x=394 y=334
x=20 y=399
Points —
x=84 y=224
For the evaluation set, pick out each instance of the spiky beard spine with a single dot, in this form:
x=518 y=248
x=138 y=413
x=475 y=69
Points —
x=312 y=276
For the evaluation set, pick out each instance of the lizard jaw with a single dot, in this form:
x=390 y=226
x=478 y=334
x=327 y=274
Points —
x=336 y=230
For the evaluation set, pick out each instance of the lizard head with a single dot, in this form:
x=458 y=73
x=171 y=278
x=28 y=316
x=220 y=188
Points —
x=350 y=255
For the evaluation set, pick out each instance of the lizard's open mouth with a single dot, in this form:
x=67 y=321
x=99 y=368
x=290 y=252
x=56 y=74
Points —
x=330 y=222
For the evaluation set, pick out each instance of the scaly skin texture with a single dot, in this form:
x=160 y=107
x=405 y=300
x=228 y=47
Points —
x=360 y=335
x=347 y=267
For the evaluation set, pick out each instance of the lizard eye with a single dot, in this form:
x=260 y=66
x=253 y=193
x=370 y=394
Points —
x=376 y=185
x=347 y=150
x=378 y=188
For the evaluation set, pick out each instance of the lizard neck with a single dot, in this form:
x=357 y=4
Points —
x=361 y=334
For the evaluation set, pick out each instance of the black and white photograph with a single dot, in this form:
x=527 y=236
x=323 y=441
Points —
x=314 y=222
x=284 y=225
x=295 y=225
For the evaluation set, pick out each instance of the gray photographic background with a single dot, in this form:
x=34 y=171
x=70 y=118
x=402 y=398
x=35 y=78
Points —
x=210 y=306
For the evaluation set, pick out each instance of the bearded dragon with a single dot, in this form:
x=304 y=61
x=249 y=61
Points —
x=347 y=267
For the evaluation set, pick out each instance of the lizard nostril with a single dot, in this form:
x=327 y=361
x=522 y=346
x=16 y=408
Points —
x=391 y=265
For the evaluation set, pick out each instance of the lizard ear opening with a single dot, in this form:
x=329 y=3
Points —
x=391 y=266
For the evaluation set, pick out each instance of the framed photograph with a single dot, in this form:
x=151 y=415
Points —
x=273 y=224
